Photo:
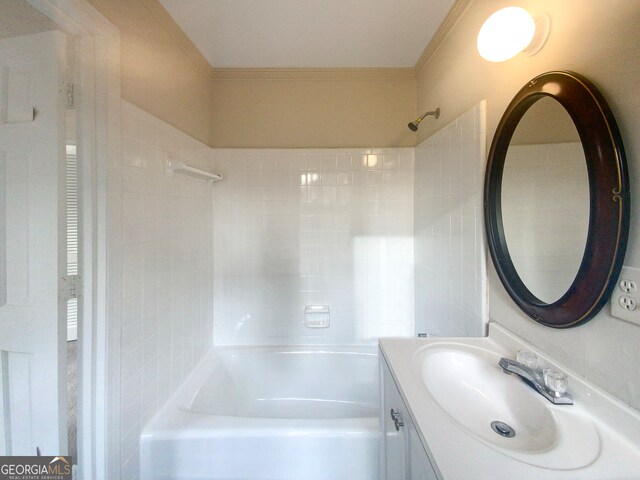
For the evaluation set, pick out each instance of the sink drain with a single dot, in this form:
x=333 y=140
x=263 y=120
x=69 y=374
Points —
x=503 y=429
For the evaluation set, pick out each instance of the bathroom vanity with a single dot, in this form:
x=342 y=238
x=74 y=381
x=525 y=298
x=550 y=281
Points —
x=403 y=455
x=442 y=395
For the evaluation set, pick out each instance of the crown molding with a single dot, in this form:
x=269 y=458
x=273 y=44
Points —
x=313 y=73
x=443 y=32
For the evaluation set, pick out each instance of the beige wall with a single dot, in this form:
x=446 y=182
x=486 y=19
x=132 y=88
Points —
x=313 y=108
x=600 y=40
x=162 y=72
x=546 y=121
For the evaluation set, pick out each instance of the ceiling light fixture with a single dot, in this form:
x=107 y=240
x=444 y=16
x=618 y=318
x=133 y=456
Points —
x=510 y=31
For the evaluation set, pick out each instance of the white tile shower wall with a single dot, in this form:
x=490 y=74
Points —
x=167 y=271
x=299 y=227
x=450 y=272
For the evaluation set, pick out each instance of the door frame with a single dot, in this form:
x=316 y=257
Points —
x=98 y=104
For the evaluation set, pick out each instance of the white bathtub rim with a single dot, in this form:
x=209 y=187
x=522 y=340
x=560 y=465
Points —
x=175 y=415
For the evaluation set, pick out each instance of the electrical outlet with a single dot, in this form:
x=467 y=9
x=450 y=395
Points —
x=627 y=303
x=627 y=286
x=625 y=298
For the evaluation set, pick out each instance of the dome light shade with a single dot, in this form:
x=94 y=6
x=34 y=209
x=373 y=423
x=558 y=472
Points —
x=505 y=34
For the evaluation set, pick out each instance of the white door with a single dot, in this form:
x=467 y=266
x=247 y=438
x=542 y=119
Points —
x=33 y=408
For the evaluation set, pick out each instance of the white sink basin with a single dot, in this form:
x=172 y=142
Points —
x=468 y=385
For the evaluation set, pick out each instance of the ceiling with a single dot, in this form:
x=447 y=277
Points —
x=309 y=33
x=20 y=18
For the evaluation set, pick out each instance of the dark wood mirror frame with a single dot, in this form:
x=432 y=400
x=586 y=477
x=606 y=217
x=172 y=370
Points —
x=609 y=200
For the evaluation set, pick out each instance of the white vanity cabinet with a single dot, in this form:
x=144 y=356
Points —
x=403 y=456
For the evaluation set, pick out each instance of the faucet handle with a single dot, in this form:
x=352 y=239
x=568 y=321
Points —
x=555 y=381
x=527 y=358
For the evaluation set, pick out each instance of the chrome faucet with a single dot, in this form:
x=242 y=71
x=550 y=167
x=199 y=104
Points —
x=536 y=380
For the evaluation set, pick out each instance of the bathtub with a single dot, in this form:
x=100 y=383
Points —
x=270 y=413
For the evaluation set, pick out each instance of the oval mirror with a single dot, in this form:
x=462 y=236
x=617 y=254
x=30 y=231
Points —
x=545 y=200
x=557 y=200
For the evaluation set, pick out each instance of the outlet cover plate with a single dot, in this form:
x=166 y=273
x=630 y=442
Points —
x=632 y=316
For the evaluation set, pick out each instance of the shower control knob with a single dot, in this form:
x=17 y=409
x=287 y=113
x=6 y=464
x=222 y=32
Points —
x=397 y=419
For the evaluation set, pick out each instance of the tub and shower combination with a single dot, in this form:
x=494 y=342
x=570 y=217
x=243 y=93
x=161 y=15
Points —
x=270 y=413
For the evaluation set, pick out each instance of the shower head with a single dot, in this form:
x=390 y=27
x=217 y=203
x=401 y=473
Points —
x=414 y=125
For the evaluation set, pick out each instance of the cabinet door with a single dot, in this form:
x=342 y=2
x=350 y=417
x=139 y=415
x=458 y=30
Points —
x=394 y=441
x=419 y=465
x=403 y=456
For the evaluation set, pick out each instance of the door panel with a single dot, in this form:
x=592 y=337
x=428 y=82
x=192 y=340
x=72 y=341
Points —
x=16 y=368
x=32 y=379
x=16 y=188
